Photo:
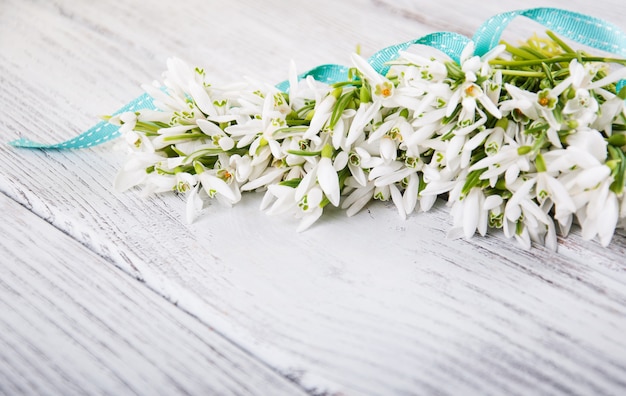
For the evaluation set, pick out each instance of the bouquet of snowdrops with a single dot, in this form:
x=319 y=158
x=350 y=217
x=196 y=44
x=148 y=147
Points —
x=525 y=139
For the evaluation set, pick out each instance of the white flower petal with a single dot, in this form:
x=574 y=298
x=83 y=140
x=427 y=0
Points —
x=396 y=197
x=328 y=180
x=209 y=128
x=126 y=179
x=321 y=116
x=471 y=212
x=410 y=193
x=341 y=160
x=210 y=182
x=202 y=99
x=358 y=174
x=310 y=218
x=608 y=220
x=367 y=70
x=285 y=199
x=305 y=184
x=388 y=150
x=226 y=143
x=270 y=176
x=193 y=205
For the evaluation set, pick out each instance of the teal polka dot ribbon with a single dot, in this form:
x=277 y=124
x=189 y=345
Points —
x=581 y=28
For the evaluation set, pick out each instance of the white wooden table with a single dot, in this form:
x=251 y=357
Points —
x=109 y=293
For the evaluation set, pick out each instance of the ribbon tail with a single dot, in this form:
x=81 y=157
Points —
x=100 y=133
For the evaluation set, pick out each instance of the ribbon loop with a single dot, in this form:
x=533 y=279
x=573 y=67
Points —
x=329 y=74
x=450 y=43
x=584 y=29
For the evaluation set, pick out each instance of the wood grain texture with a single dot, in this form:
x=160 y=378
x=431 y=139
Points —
x=73 y=324
x=364 y=305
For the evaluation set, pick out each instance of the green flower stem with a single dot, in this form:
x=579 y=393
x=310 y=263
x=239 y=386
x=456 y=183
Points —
x=293 y=183
x=521 y=73
x=178 y=169
x=150 y=129
x=303 y=153
x=327 y=151
x=473 y=179
x=520 y=52
x=560 y=42
x=341 y=105
x=207 y=162
x=293 y=122
x=355 y=83
x=548 y=73
x=454 y=71
x=306 y=109
x=618 y=170
x=325 y=201
x=556 y=59
x=190 y=136
x=212 y=152
x=292 y=129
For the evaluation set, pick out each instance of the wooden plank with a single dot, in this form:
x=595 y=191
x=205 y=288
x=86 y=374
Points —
x=72 y=323
x=370 y=304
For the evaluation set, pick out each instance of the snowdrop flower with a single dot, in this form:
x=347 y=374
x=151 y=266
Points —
x=308 y=207
x=428 y=62
x=360 y=160
x=267 y=123
x=219 y=138
x=157 y=183
x=511 y=160
x=469 y=92
x=468 y=95
x=523 y=101
x=537 y=107
x=133 y=172
x=322 y=114
x=362 y=118
x=471 y=213
x=586 y=140
x=601 y=214
x=522 y=213
x=389 y=135
x=324 y=174
x=219 y=183
x=612 y=107
x=279 y=199
x=582 y=108
x=360 y=196
x=438 y=181
x=549 y=187
x=382 y=88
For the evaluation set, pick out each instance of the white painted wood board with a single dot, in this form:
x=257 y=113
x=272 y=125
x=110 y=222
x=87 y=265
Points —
x=364 y=305
x=72 y=324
